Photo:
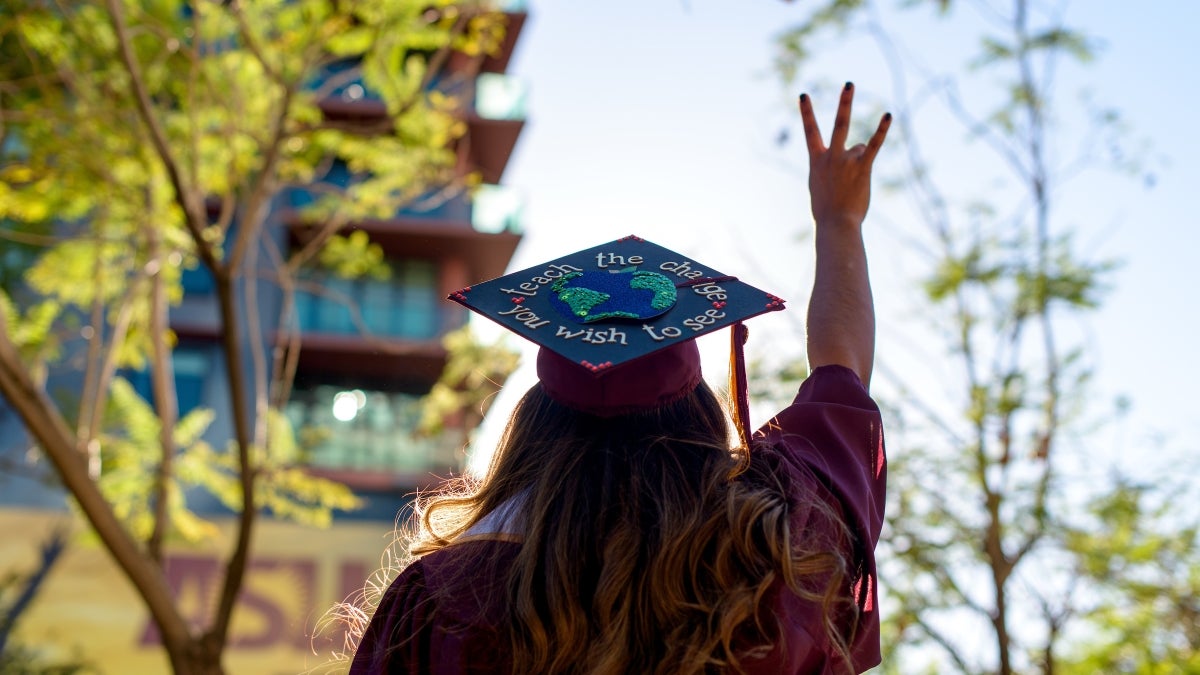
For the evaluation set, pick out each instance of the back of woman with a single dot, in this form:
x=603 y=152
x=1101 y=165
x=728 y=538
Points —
x=618 y=532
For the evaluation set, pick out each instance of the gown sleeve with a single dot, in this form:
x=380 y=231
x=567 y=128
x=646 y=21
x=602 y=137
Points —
x=833 y=434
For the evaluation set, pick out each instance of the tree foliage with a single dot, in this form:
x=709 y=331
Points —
x=140 y=141
x=1137 y=565
x=986 y=536
x=474 y=374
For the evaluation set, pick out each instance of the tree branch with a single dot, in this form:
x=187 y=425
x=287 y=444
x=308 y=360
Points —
x=943 y=642
x=257 y=365
x=89 y=395
x=286 y=357
x=311 y=247
x=252 y=219
x=191 y=203
x=162 y=375
x=252 y=45
x=235 y=568
x=108 y=369
x=53 y=435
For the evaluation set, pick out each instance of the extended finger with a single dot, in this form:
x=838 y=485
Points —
x=841 y=123
x=812 y=133
x=877 y=138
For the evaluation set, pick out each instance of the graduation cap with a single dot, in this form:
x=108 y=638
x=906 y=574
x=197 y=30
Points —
x=616 y=324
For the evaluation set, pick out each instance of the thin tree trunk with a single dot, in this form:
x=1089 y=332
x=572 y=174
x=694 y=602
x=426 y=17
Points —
x=165 y=404
x=57 y=441
x=235 y=569
x=1000 y=623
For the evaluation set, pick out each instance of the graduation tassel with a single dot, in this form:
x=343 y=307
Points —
x=739 y=392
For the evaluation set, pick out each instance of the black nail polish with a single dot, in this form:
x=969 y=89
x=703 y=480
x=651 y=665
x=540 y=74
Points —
x=849 y=86
x=887 y=116
x=803 y=97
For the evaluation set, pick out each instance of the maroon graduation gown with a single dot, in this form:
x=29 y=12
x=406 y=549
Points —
x=829 y=442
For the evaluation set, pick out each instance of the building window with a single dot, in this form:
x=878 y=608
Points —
x=191 y=369
x=197 y=280
x=455 y=209
x=191 y=366
x=495 y=208
x=367 y=431
x=500 y=97
x=350 y=86
x=337 y=175
x=16 y=259
x=403 y=306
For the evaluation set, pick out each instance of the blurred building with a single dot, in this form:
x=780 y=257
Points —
x=369 y=349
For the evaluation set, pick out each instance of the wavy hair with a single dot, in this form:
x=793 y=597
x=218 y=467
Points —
x=649 y=545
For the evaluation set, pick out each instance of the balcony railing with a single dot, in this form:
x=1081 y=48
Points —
x=363 y=430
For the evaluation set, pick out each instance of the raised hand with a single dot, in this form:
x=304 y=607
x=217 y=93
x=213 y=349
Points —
x=839 y=178
x=841 y=313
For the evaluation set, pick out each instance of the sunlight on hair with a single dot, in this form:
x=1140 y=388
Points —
x=486 y=438
x=342 y=626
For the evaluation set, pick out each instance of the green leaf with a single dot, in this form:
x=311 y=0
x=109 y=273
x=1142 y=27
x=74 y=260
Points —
x=352 y=42
x=353 y=256
x=1063 y=39
x=474 y=373
x=192 y=426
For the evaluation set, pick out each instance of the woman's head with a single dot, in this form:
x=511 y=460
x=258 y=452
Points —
x=544 y=434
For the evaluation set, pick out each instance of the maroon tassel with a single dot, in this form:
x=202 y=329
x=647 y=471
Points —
x=739 y=391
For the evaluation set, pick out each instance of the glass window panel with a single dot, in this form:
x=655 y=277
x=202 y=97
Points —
x=406 y=305
x=333 y=316
x=191 y=366
x=191 y=369
x=377 y=305
x=197 y=280
x=418 y=300
x=304 y=305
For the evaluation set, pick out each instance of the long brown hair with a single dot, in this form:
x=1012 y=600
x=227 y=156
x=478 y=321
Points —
x=641 y=551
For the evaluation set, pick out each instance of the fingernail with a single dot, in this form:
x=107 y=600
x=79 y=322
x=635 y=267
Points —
x=849 y=86
x=887 y=117
x=803 y=97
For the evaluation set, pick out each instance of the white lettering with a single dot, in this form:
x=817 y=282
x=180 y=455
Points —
x=525 y=316
x=710 y=292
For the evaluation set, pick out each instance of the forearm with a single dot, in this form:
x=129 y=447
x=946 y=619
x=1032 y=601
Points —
x=841 y=313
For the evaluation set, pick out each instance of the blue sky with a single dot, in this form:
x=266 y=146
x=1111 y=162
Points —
x=660 y=118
